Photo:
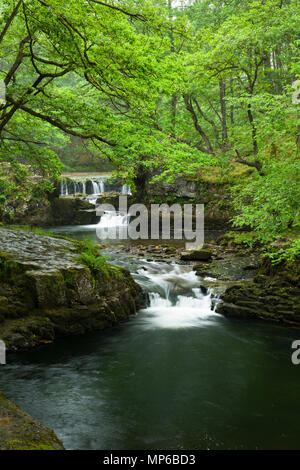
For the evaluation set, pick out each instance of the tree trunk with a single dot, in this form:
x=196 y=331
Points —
x=251 y=120
x=141 y=182
x=223 y=111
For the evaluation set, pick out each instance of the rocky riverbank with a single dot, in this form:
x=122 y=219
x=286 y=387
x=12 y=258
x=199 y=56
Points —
x=246 y=284
x=250 y=286
x=46 y=291
x=273 y=295
x=19 y=431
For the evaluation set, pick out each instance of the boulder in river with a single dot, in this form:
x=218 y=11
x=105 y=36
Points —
x=196 y=255
x=47 y=292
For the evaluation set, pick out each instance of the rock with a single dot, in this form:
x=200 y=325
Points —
x=251 y=267
x=180 y=188
x=49 y=293
x=72 y=211
x=230 y=268
x=262 y=301
x=19 y=431
x=196 y=255
x=197 y=190
x=170 y=250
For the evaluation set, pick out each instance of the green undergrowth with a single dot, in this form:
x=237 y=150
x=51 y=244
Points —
x=278 y=250
x=230 y=172
x=28 y=228
x=90 y=256
x=289 y=251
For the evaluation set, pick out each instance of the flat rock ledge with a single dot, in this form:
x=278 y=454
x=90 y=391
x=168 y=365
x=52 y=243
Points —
x=19 y=431
x=46 y=293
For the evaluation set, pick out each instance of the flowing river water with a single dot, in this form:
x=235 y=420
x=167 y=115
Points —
x=176 y=376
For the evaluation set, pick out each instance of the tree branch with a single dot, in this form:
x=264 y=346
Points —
x=190 y=108
x=65 y=127
x=10 y=20
x=137 y=16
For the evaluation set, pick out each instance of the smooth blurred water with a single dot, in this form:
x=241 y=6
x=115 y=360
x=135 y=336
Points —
x=176 y=376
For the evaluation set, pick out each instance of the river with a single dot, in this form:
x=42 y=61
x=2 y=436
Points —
x=176 y=376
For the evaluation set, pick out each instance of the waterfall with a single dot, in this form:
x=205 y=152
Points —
x=102 y=186
x=113 y=219
x=113 y=226
x=95 y=187
x=126 y=190
x=176 y=299
x=64 y=188
x=92 y=186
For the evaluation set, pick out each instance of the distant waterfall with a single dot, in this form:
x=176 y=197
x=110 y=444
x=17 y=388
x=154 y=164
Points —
x=126 y=190
x=96 y=189
x=92 y=186
x=79 y=187
x=64 y=188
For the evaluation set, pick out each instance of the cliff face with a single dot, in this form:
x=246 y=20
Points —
x=56 y=211
x=46 y=292
x=214 y=195
x=19 y=431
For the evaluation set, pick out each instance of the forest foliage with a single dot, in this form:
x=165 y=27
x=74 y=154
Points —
x=175 y=86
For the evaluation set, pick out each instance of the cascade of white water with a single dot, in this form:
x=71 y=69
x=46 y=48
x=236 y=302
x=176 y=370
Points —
x=126 y=190
x=113 y=219
x=64 y=188
x=176 y=299
x=102 y=186
x=95 y=187
x=99 y=185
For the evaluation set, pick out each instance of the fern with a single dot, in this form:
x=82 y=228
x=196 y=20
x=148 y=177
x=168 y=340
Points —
x=91 y=257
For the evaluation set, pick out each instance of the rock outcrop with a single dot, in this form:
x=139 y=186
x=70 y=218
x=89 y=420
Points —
x=71 y=211
x=274 y=295
x=19 y=431
x=46 y=292
x=215 y=195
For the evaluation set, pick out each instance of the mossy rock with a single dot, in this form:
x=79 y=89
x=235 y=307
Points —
x=196 y=255
x=46 y=292
x=20 y=431
x=262 y=301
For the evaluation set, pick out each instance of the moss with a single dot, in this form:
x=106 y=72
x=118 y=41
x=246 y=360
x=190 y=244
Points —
x=20 y=431
x=233 y=172
x=48 y=299
x=9 y=269
x=263 y=299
